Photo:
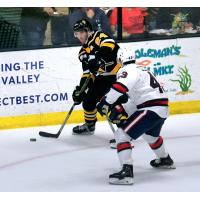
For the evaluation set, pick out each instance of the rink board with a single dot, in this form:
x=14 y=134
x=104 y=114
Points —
x=36 y=85
x=77 y=116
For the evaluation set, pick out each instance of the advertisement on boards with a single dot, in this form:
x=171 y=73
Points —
x=37 y=81
x=174 y=63
x=42 y=81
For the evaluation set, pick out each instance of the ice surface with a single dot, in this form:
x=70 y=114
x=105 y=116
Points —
x=83 y=163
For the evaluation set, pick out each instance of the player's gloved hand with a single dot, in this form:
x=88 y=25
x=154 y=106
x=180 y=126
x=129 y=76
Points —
x=117 y=115
x=103 y=106
x=102 y=66
x=97 y=65
x=77 y=96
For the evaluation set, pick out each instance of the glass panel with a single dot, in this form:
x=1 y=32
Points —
x=133 y=22
x=10 y=32
x=98 y=17
x=173 y=21
x=39 y=27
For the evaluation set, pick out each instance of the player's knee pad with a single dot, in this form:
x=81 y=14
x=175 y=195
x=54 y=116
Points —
x=121 y=136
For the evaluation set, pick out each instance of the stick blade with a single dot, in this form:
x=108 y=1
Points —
x=46 y=134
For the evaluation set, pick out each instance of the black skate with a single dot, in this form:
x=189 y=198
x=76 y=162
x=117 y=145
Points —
x=163 y=163
x=124 y=177
x=85 y=129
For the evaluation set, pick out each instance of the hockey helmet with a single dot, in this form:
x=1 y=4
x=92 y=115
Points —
x=82 y=25
x=125 y=56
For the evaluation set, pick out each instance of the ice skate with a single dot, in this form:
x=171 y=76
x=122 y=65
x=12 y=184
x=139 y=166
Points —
x=85 y=129
x=163 y=163
x=124 y=177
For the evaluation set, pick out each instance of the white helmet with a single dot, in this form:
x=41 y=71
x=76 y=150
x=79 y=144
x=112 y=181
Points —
x=126 y=56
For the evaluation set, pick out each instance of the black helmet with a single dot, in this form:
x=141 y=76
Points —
x=82 y=25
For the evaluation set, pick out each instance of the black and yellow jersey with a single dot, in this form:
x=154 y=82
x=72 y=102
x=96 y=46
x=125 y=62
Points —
x=98 y=55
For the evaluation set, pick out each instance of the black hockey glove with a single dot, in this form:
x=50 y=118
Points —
x=117 y=115
x=97 y=65
x=103 y=106
x=77 y=96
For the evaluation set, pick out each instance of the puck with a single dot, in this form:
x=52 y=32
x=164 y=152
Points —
x=32 y=139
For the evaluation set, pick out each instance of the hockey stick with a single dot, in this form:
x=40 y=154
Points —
x=46 y=134
x=112 y=141
x=110 y=124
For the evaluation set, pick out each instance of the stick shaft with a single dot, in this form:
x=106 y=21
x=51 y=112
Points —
x=45 y=134
x=66 y=118
x=110 y=124
x=72 y=108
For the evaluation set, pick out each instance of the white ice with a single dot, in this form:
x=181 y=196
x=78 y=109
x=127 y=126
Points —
x=83 y=163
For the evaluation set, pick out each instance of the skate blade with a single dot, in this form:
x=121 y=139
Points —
x=166 y=167
x=125 y=181
x=84 y=133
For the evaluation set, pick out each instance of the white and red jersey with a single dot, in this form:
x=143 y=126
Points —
x=142 y=89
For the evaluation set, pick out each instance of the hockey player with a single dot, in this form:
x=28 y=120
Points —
x=148 y=108
x=98 y=57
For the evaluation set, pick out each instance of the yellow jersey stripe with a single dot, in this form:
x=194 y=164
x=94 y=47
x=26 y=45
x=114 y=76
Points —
x=85 y=75
x=116 y=68
x=106 y=44
x=90 y=112
x=87 y=49
x=92 y=38
x=92 y=77
x=90 y=119
x=103 y=35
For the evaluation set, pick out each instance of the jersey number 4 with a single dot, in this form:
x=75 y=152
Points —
x=154 y=83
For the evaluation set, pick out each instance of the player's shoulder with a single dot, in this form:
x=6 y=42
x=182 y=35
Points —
x=106 y=41
x=98 y=38
x=92 y=37
x=101 y=35
x=127 y=71
x=132 y=68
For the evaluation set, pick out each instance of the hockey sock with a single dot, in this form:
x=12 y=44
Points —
x=124 y=148
x=90 y=116
x=157 y=145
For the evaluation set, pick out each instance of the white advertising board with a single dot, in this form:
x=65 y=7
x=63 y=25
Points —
x=42 y=81
x=38 y=81
x=174 y=62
